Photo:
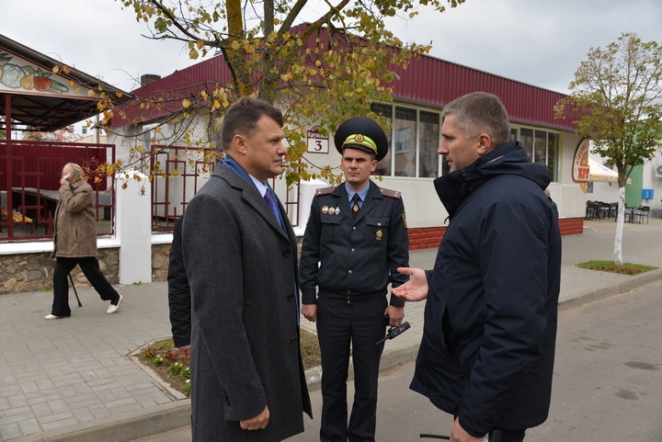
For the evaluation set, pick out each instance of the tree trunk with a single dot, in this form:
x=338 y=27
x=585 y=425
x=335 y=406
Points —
x=618 y=240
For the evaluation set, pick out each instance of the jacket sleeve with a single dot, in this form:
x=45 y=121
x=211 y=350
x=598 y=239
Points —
x=512 y=250
x=397 y=249
x=310 y=257
x=77 y=198
x=179 y=293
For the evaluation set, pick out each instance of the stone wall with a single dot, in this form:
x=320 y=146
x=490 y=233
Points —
x=160 y=259
x=32 y=272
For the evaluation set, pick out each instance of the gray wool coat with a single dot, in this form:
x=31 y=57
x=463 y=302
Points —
x=245 y=354
x=75 y=232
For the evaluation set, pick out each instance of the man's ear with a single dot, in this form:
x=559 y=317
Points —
x=239 y=144
x=484 y=144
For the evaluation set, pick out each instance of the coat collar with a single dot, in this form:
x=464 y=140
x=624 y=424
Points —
x=507 y=159
x=370 y=201
x=252 y=197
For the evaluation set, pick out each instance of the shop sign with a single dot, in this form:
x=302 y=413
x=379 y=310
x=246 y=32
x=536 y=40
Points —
x=581 y=170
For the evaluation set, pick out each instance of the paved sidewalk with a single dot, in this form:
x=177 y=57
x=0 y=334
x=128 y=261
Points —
x=73 y=379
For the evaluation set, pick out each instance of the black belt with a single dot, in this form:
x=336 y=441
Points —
x=350 y=298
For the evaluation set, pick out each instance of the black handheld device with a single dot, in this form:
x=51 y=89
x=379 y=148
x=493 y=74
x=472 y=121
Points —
x=395 y=331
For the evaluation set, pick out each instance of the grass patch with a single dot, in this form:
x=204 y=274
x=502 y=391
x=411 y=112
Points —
x=609 y=266
x=175 y=369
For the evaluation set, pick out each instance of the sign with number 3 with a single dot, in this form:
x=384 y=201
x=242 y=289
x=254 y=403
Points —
x=317 y=143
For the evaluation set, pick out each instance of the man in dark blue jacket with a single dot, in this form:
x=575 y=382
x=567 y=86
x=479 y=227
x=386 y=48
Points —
x=487 y=352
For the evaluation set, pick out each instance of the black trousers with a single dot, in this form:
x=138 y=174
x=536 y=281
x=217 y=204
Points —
x=340 y=324
x=91 y=270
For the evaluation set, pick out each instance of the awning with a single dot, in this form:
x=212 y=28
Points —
x=600 y=173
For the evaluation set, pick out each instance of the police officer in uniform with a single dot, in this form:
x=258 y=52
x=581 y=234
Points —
x=355 y=239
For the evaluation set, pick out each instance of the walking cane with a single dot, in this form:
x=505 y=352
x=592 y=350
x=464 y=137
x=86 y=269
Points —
x=74 y=287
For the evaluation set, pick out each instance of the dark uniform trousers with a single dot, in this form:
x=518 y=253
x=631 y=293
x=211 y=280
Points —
x=341 y=323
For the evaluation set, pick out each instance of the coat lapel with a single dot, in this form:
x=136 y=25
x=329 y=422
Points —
x=252 y=197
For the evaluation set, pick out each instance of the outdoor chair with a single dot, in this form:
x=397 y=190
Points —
x=613 y=211
x=640 y=213
x=592 y=209
x=603 y=210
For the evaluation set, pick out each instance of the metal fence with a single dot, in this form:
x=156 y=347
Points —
x=30 y=174
x=181 y=171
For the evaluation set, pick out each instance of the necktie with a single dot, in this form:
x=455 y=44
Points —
x=355 y=204
x=272 y=205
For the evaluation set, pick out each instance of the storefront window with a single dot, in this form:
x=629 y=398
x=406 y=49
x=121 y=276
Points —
x=541 y=147
x=428 y=160
x=540 y=144
x=526 y=138
x=385 y=110
x=413 y=142
x=404 y=142
x=552 y=155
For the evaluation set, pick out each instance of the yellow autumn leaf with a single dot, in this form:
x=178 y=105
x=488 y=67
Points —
x=91 y=93
x=186 y=103
x=175 y=172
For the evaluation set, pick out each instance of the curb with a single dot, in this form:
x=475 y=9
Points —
x=594 y=295
x=128 y=426
x=122 y=427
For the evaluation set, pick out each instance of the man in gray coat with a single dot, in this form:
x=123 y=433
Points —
x=240 y=257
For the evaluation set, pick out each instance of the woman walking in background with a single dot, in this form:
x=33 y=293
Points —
x=75 y=242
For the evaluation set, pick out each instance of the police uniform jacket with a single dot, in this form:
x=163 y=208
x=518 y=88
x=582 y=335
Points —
x=344 y=256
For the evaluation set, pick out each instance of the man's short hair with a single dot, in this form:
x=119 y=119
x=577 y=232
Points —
x=480 y=112
x=242 y=117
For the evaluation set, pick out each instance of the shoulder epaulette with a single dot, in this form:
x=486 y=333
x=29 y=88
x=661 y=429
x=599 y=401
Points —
x=324 y=191
x=391 y=193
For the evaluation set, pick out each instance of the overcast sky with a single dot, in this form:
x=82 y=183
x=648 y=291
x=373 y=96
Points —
x=539 y=42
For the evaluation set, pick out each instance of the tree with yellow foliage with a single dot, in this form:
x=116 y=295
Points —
x=320 y=62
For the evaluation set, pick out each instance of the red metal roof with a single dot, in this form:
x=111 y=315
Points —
x=173 y=89
x=436 y=81
x=427 y=80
